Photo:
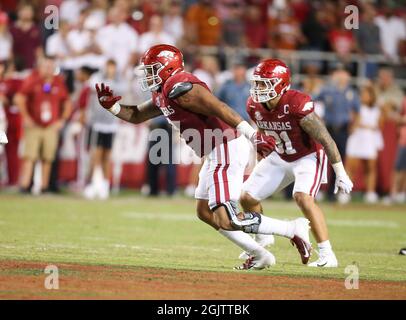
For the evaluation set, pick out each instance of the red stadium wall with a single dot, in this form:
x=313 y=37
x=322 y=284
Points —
x=134 y=173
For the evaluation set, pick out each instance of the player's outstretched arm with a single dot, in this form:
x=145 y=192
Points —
x=199 y=100
x=134 y=114
x=316 y=129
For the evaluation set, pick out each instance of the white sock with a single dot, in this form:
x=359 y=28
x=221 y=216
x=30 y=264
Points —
x=243 y=240
x=325 y=246
x=278 y=227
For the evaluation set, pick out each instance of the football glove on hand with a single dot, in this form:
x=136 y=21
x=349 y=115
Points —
x=106 y=96
x=343 y=182
x=263 y=144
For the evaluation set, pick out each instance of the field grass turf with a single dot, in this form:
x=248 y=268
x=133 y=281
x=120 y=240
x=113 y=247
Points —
x=133 y=231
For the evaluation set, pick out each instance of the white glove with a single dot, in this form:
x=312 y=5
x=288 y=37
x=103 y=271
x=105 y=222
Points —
x=343 y=182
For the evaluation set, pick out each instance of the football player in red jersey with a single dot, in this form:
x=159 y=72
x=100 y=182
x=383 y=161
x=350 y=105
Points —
x=303 y=146
x=188 y=104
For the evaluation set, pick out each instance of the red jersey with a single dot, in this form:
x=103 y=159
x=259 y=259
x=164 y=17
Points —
x=25 y=44
x=196 y=129
x=283 y=123
x=44 y=100
x=8 y=88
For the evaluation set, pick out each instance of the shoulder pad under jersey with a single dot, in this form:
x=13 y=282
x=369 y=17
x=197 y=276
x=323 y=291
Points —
x=180 y=89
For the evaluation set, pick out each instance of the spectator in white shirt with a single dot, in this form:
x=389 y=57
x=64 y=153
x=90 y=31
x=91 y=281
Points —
x=97 y=12
x=82 y=43
x=155 y=35
x=208 y=71
x=117 y=40
x=392 y=33
x=58 y=47
x=173 y=20
x=70 y=10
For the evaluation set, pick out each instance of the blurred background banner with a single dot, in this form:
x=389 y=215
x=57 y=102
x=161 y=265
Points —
x=349 y=55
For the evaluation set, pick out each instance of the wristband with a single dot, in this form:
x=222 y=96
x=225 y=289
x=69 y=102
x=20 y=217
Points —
x=339 y=169
x=115 y=109
x=245 y=129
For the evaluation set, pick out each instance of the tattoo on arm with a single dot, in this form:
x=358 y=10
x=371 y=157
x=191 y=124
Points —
x=139 y=113
x=316 y=129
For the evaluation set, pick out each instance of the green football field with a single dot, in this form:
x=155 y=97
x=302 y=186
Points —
x=133 y=231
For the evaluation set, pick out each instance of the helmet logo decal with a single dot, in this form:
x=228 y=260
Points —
x=280 y=69
x=167 y=54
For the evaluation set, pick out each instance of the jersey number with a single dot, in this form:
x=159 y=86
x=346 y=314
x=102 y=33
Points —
x=283 y=143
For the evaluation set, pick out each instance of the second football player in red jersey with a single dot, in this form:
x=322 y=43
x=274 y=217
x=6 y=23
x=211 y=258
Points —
x=202 y=119
x=303 y=145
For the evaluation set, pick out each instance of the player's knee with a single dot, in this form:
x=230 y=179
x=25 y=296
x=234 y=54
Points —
x=247 y=200
x=202 y=212
x=223 y=222
x=303 y=200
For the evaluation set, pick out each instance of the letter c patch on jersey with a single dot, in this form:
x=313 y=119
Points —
x=179 y=89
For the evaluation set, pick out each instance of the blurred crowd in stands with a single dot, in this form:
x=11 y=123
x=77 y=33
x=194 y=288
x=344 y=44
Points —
x=47 y=77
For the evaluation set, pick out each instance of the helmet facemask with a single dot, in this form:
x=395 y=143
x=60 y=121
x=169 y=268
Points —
x=263 y=89
x=151 y=80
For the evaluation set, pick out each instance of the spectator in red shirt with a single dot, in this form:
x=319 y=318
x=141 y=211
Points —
x=26 y=36
x=255 y=28
x=8 y=5
x=45 y=106
x=341 y=41
x=9 y=85
x=139 y=13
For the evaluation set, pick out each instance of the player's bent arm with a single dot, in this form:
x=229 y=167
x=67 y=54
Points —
x=316 y=129
x=136 y=113
x=199 y=100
